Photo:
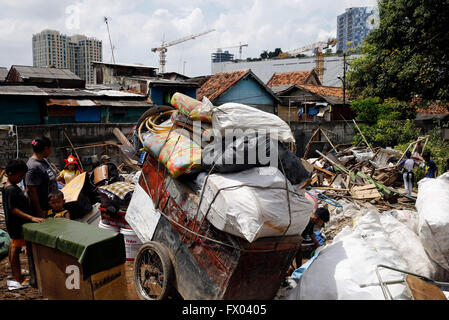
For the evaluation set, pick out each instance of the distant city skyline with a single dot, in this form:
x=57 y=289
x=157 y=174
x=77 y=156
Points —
x=354 y=25
x=76 y=52
x=137 y=26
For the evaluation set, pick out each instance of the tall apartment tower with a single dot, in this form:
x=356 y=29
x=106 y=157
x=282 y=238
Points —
x=51 y=48
x=354 y=25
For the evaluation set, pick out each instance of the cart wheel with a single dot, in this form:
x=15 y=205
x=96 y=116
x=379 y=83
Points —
x=153 y=272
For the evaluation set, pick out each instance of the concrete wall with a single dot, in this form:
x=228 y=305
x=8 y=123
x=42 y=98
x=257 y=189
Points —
x=343 y=133
x=79 y=134
x=97 y=133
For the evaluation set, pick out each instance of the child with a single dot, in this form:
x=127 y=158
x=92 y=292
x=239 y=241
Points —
x=56 y=203
x=71 y=170
x=17 y=209
x=431 y=170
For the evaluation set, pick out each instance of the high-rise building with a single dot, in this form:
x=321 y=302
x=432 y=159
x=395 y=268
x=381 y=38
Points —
x=354 y=25
x=51 y=48
x=221 y=56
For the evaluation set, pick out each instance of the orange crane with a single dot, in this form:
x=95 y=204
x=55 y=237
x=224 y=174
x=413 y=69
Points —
x=240 y=46
x=163 y=48
x=317 y=48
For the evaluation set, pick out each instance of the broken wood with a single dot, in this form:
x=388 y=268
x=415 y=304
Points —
x=365 y=192
x=364 y=139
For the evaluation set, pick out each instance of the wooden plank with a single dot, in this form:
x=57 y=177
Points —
x=422 y=290
x=365 y=192
x=327 y=172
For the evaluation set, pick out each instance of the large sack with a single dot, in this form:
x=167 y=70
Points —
x=251 y=212
x=341 y=267
x=239 y=116
x=433 y=209
x=409 y=246
x=251 y=150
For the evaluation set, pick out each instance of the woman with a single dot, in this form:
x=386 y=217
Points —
x=40 y=180
x=71 y=170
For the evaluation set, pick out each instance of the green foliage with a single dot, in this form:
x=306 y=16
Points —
x=407 y=54
x=389 y=122
x=270 y=55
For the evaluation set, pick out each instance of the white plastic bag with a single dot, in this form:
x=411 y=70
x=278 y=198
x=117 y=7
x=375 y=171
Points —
x=240 y=116
x=433 y=209
x=250 y=212
x=350 y=261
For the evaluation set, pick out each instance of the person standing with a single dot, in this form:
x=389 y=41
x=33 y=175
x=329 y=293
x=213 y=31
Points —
x=407 y=174
x=431 y=169
x=71 y=170
x=40 y=180
x=17 y=212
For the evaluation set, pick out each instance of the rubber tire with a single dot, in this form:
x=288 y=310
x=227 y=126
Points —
x=167 y=266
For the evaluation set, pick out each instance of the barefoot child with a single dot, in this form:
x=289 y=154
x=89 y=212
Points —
x=17 y=212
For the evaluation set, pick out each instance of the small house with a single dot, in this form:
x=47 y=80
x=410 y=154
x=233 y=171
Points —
x=240 y=87
x=44 y=77
x=312 y=103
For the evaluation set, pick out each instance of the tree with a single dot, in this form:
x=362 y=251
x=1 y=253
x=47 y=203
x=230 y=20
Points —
x=407 y=55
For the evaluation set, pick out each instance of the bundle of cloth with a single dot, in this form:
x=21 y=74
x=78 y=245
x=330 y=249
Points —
x=243 y=149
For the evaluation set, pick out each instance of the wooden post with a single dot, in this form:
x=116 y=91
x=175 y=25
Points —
x=363 y=136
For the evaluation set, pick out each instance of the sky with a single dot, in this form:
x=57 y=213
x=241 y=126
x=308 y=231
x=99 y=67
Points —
x=136 y=26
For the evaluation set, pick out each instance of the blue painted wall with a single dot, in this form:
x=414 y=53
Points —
x=19 y=110
x=246 y=91
x=158 y=94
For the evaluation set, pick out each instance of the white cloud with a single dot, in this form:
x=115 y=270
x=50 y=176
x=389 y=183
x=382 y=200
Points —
x=136 y=26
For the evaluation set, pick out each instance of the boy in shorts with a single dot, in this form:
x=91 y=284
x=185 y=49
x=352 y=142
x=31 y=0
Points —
x=17 y=212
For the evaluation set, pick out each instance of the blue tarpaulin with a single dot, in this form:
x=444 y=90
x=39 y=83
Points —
x=87 y=114
x=313 y=111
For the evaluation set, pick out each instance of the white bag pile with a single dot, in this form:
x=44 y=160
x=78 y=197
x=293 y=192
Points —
x=243 y=117
x=350 y=261
x=257 y=204
x=433 y=209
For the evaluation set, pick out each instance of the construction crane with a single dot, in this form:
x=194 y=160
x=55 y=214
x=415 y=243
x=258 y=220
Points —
x=110 y=42
x=163 y=48
x=317 y=48
x=240 y=46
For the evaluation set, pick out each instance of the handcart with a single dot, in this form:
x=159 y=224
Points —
x=188 y=255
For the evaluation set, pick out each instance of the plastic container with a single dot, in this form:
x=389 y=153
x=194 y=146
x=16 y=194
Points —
x=132 y=243
x=108 y=227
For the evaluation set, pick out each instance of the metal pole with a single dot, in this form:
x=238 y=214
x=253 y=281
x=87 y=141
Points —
x=110 y=41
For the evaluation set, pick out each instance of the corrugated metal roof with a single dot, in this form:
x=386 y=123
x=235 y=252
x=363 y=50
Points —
x=3 y=73
x=124 y=103
x=115 y=93
x=71 y=103
x=69 y=92
x=129 y=65
x=22 y=91
x=27 y=72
